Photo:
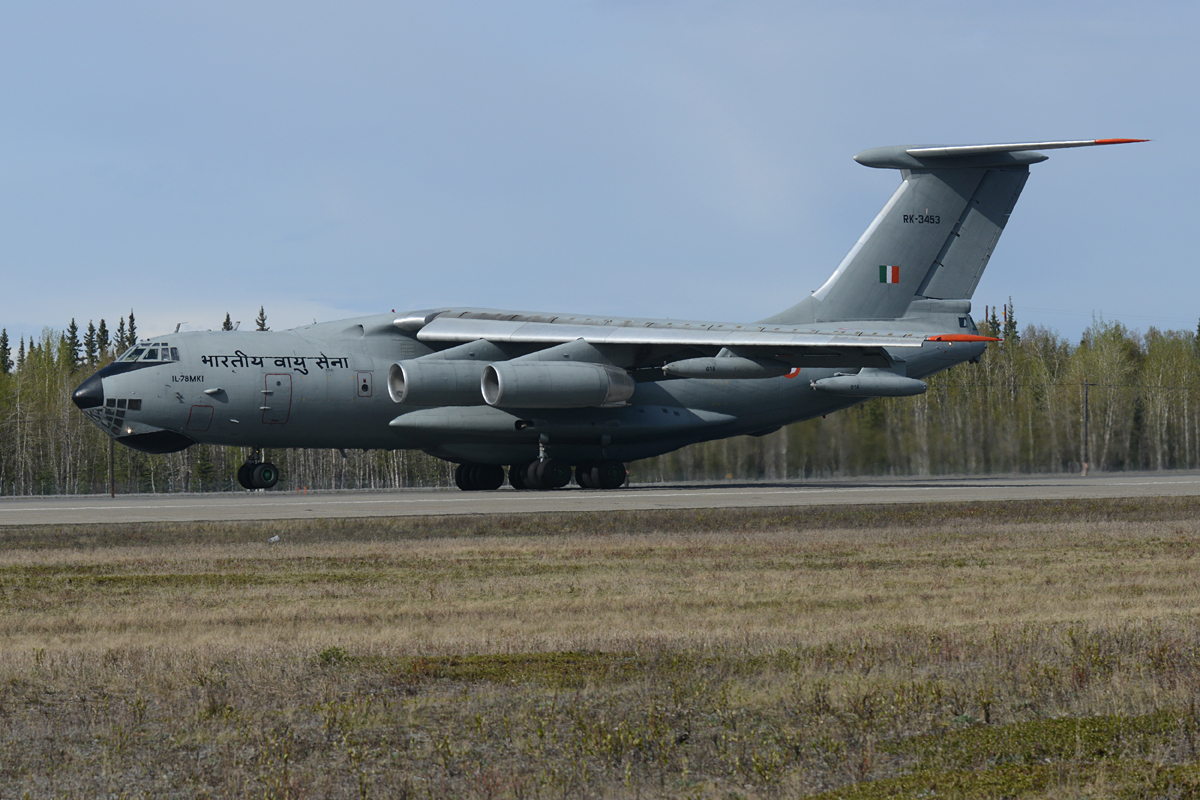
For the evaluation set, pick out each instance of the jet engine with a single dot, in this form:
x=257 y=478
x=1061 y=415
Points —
x=539 y=384
x=420 y=382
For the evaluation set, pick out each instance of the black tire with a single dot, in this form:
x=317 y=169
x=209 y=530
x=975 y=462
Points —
x=489 y=477
x=530 y=474
x=459 y=478
x=610 y=475
x=516 y=476
x=583 y=475
x=246 y=476
x=264 y=476
x=553 y=473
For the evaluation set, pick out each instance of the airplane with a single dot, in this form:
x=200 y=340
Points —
x=553 y=396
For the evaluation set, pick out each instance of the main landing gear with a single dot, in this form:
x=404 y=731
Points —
x=545 y=473
x=256 y=473
x=478 y=477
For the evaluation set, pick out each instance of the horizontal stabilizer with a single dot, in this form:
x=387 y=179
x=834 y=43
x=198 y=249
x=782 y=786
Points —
x=979 y=149
x=970 y=155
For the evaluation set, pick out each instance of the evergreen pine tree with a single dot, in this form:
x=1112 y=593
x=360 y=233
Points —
x=119 y=345
x=227 y=325
x=89 y=344
x=102 y=340
x=1011 y=335
x=261 y=320
x=21 y=354
x=132 y=338
x=5 y=352
x=71 y=346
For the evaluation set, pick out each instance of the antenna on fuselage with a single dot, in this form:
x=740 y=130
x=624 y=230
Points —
x=237 y=324
x=179 y=325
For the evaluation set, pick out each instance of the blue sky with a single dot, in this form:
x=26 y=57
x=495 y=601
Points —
x=677 y=159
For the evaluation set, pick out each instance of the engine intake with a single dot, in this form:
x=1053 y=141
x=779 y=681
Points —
x=535 y=384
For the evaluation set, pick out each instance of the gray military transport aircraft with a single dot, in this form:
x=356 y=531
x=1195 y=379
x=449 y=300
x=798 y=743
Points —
x=548 y=394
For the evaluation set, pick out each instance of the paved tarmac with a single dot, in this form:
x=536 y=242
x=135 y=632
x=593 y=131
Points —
x=325 y=505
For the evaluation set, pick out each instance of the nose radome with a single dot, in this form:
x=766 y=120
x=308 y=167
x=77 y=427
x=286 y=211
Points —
x=90 y=393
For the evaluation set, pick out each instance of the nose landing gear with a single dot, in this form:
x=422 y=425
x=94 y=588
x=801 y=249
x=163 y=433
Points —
x=256 y=473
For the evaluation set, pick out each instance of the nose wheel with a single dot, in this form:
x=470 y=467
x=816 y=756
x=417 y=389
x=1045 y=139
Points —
x=256 y=473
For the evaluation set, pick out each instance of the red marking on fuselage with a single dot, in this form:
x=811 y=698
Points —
x=793 y=373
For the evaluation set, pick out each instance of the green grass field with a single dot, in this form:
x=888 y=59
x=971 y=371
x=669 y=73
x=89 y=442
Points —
x=1043 y=649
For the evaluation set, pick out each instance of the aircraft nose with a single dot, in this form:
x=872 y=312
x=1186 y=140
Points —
x=90 y=393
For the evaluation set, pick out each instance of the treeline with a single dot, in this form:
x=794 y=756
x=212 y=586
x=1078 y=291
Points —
x=1024 y=408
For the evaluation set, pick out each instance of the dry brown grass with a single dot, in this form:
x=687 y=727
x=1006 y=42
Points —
x=762 y=653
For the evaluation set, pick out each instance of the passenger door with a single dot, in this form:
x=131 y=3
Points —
x=277 y=398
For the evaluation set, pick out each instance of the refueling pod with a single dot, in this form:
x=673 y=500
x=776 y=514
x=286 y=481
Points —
x=727 y=367
x=541 y=384
x=871 y=383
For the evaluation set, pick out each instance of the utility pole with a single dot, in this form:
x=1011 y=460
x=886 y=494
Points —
x=1085 y=425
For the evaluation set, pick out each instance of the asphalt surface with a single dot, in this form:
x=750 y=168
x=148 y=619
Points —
x=329 y=505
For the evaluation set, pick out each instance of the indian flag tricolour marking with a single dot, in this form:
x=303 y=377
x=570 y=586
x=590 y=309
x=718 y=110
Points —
x=889 y=274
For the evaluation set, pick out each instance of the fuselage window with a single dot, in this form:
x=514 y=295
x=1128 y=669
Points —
x=174 y=353
x=151 y=355
x=133 y=354
x=135 y=405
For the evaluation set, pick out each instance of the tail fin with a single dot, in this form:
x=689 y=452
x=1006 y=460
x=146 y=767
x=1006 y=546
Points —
x=935 y=235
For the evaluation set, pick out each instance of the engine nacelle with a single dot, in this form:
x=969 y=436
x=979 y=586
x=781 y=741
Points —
x=540 y=384
x=436 y=382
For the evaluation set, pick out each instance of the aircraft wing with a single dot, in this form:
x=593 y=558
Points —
x=836 y=345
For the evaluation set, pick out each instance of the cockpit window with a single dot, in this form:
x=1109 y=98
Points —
x=151 y=351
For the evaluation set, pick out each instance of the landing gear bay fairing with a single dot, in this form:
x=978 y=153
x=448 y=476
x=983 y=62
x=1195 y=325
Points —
x=541 y=398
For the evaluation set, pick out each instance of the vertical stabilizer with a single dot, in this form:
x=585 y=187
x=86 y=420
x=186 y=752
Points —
x=935 y=235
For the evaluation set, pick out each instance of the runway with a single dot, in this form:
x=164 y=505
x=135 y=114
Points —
x=326 y=505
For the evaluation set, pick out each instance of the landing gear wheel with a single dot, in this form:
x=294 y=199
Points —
x=245 y=476
x=478 y=477
x=584 y=475
x=460 y=480
x=609 y=475
x=548 y=473
x=488 y=477
x=516 y=477
x=264 y=476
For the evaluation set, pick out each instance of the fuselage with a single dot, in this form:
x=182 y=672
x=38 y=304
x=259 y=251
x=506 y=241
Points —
x=324 y=386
